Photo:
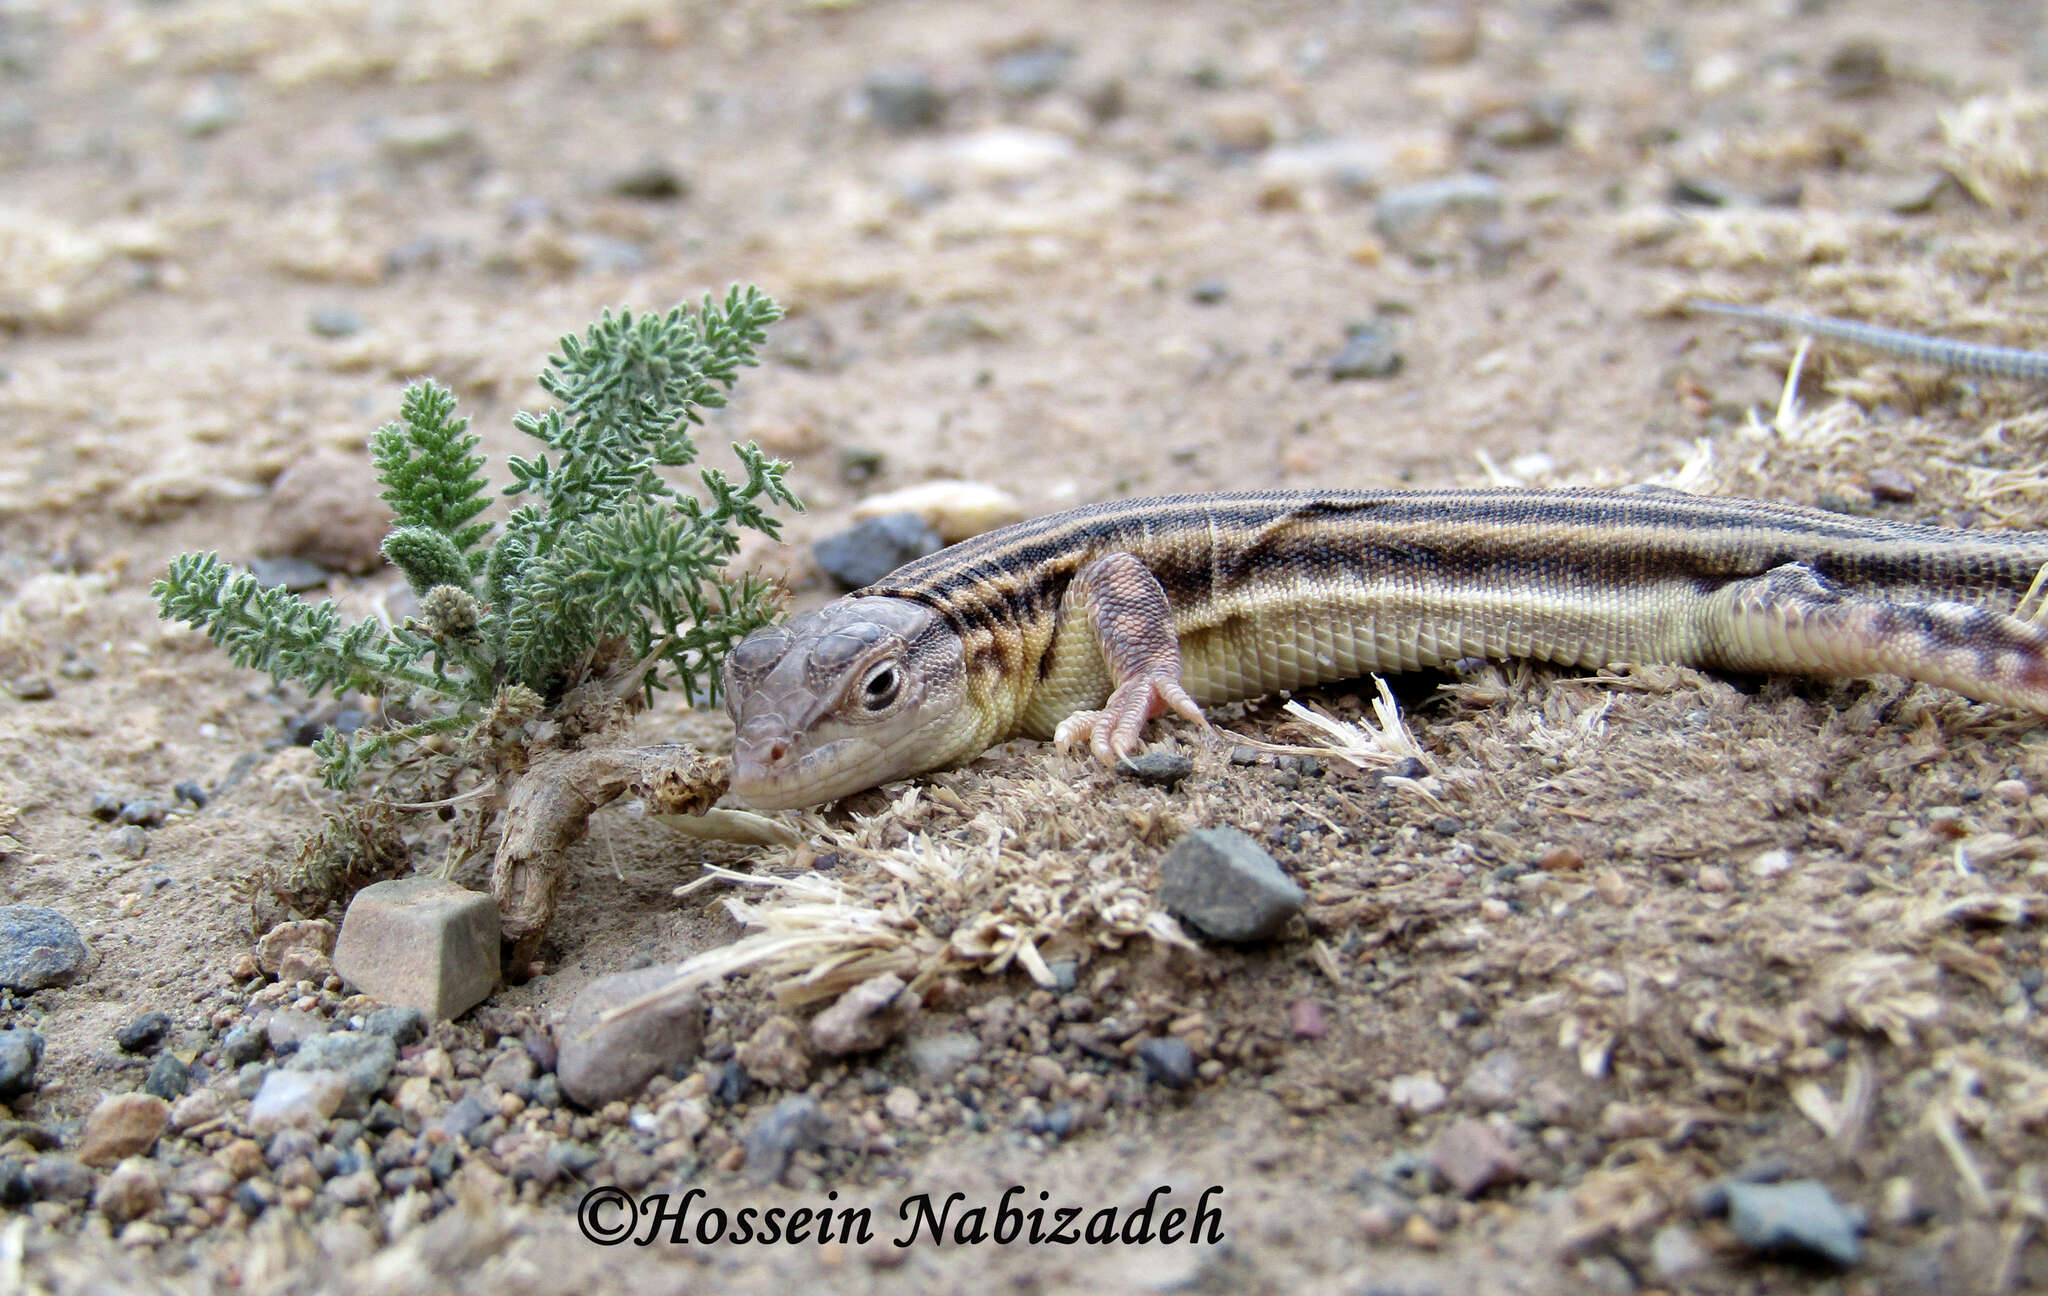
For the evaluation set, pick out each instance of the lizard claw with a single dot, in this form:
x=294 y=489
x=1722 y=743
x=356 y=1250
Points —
x=1117 y=731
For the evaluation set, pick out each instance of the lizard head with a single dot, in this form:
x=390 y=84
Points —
x=858 y=693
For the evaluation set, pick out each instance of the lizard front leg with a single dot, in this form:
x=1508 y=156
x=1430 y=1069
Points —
x=1124 y=607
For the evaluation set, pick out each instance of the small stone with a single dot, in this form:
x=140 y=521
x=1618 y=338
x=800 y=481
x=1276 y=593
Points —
x=1167 y=1061
x=1032 y=71
x=31 y=688
x=462 y=1119
x=1419 y=1233
x=1441 y=35
x=296 y=1100
x=796 y=1123
x=304 y=934
x=1208 y=292
x=1771 y=864
x=512 y=1070
x=334 y=322
x=403 y=1024
x=1349 y=166
x=1306 y=1019
x=144 y=1033
x=1473 y=1158
x=866 y=1017
x=1675 y=1252
x=1418 y=1094
x=208 y=109
x=1711 y=878
x=411 y=139
x=21 y=1051
x=1541 y=121
x=423 y=942
x=1561 y=859
x=288 y=1028
x=191 y=793
x=2012 y=791
x=325 y=508
x=604 y=1061
x=1159 y=768
x=1493 y=1082
x=1800 y=1218
x=652 y=181
x=903 y=99
x=122 y=1125
x=1230 y=889
x=1890 y=485
x=775 y=1054
x=1240 y=127
x=198 y=1108
x=294 y=574
x=938 y=1056
x=358 y=1189
x=142 y=813
x=133 y=1190
x=902 y=1104
x=364 y=1060
x=1421 y=214
x=1369 y=352
x=59 y=1178
x=873 y=547
x=128 y=841
x=39 y=949
x=169 y=1078
x=304 y=965
x=1856 y=68
x=244 y=1043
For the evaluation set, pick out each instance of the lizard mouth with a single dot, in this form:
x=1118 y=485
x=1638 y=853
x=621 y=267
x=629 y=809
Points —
x=768 y=779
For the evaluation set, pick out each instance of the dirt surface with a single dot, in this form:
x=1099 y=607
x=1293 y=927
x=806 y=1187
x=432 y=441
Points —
x=1643 y=931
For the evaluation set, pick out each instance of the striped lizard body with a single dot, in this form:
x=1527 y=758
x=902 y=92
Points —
x=1084 y=625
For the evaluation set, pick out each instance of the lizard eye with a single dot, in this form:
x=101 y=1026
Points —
x=879 y=689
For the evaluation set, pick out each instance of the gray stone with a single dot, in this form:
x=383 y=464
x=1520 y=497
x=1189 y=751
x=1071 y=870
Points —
x=873 y=547
x=903 y=99
x=1223 y=883
x=1493 y=1082
x=792 y=1125
x=1168 y=1061
x=1800 y=1218
x=423 y=942
x=460 y=1119
x=404 y=1024
x=1368 y=352
x=410 y=139
x=334 y=322
x=295 y=574
x=1032 y=71
x=363 y=1059
x=128 y=841
x=39 y=949
x=169 y=1078
x=512 y=1071
x=244 y=1043
x=144 y=1033
x=296 y=1100
x=289 y=1028
x=1412 y=214
x=652 y=181
x=21 y=1051
x=59 y=1178
x=940 y=1055
x=865 y=1018
x=599 y=1061
x=1159 y=768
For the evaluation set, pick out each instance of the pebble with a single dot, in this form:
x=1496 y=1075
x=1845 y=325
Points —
x=652 y=181
x=1349 y=165
x=334 y=322
x=325 y=508
x=601 y=1062
x=141 y=813
x=1306 y=1019
x=1209 y=292
x=364 y=1060
x=796 y=1123
x=1368 y=352
x=1473 y=1157
x=1167 y=1061
x=133 y=1190
x=403 y=1024
x=1856 y=68
x=464 y=1118
x=31 y=688
x=873 y=547
x=1891 y=486
x=512 y=1071
x=1540 y=121
x=39 y=949
x=866 y=1017
x=59 y=1178
x=1229 y=888
x=358 y=1189
x=304 y=966
x=411 y=139
x=1799 y=1218
x=902 y=1104
x=1440 y=35
x=1417 y=214
x=169 y=1077
x=288 y=1028
x=15 y=1189
x=420 y=941
x=21 y=1051
x=1418 y=1094
x=1158 y=768
x=128 y=841
x=1771 y=864
x=303 y=934
x=1495 y=1081
x=294 y=574
x=1711 y=878
x=120 y=1126
x=198 y=1108
x=191 y=793
x=296 y=1099
x=1245 y=127
x=244 y=1043
x=1676 y=1252
x=938 y=1056
x=1032 y=71
x=144 y=1033
x=775 y=1054
x=208 y=109
x=903 y=99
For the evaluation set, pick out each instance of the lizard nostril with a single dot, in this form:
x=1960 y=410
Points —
x=775 y=752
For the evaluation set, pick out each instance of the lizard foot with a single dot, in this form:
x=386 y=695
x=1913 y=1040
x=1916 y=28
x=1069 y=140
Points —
x=1118 y=729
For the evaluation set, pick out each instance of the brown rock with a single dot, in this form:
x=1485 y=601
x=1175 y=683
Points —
x=197 y=1108
x=775 y=1054
x=123 y=1125
x=421 y=942
x=1473 y=1157
x=324 y=508
x=130 y=1192
x=602 y=1061
x=315 y=934
x=864 y=1018
x=242 y=1158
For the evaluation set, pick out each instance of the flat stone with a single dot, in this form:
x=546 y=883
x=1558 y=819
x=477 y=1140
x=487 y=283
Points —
x=133 y=1190
x=39 y=949
x=121 y=1126
x=296 y=1100
x=603 y=1061
x=873 y=547
x=1800 y=1218
x=360 y=1057
x=1473 y=1158
x=866 y=1017
x=422 y=942
x=310 y=966
x=1222 y=882
x=21 y=1051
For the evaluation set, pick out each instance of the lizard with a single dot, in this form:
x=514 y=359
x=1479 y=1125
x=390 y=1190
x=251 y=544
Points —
x=1083 y=626
x=1972 y=358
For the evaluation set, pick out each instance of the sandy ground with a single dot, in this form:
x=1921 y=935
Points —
x=1714 y=923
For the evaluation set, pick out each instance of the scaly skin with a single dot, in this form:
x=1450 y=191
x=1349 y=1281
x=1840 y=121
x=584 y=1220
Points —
x=1084 y=625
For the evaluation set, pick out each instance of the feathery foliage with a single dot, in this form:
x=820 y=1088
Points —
x=603 y=559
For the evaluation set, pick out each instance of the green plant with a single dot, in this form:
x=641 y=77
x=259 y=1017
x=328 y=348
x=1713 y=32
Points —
x=604 y=572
